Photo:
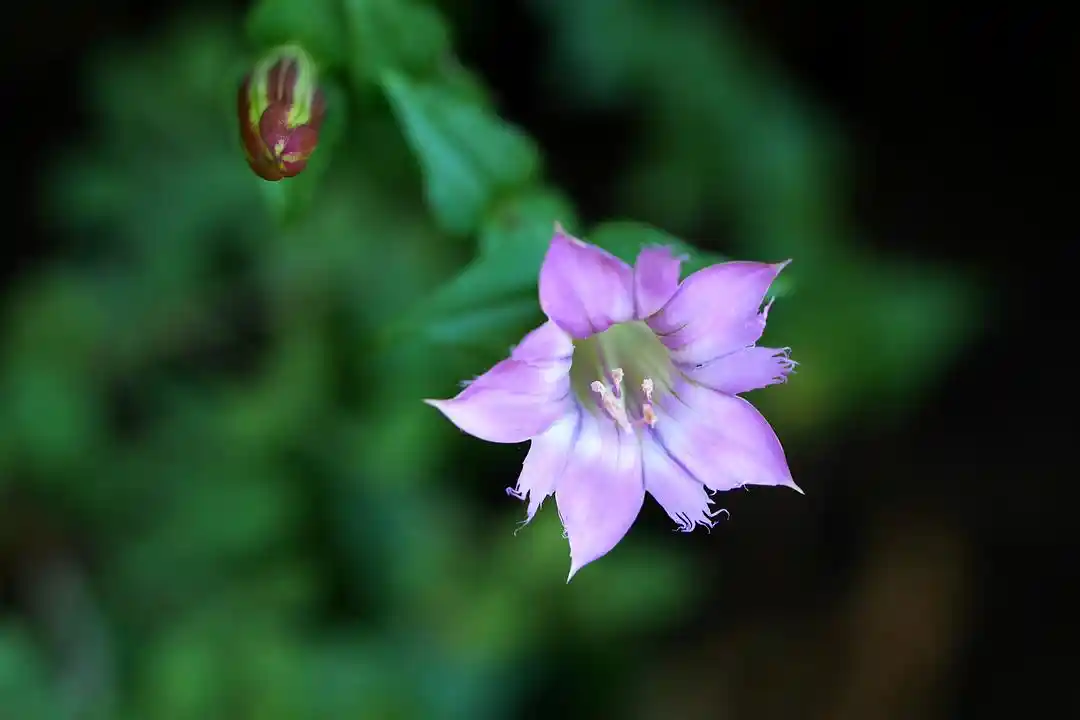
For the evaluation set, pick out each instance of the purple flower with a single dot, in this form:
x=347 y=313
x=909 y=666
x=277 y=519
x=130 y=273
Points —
x=631 y=387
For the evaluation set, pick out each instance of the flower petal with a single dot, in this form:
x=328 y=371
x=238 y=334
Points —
x=682 y=497
x=721 y=439
x=512 y=402
x=548 y=456
x=716 y=310
x=584 y=289
x=656 y=278
x=601 y=491
x=744 y=370
x=545 y=343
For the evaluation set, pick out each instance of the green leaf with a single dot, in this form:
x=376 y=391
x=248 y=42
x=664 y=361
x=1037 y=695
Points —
x=625 y=239
x=525 y=223
x=495 y=296
x=56 y=414
x=26 y=689
x=317 y=25
x=394 y=35
x=468 y=156
x=478 y=310
x=641 y=587
x=867 y=331
x=291 y=198
x=50 y=375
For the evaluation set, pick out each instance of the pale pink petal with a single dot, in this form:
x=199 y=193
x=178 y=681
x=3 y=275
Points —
x=656 y=278
x=545 y=343
x=548 y=456
x=683 y=498
x=512 y=402
x=717 y=310
x=601 y=491
x=583 y=289
x=721 y=439
x=743 y=370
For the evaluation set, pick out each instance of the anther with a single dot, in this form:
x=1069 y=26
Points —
x=616 y=380
x=647 y=388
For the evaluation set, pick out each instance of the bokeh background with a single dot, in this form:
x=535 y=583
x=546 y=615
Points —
x=221 y=496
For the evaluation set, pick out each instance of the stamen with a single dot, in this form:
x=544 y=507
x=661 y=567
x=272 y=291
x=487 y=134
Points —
x=648 y=415
x=615 y=407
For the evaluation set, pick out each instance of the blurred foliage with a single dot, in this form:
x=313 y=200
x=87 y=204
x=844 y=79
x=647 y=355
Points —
x=211 y=436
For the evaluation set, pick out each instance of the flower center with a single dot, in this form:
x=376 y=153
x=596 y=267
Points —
x=621 y=372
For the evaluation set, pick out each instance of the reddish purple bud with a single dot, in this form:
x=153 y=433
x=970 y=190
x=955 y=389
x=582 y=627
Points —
x=281 y=109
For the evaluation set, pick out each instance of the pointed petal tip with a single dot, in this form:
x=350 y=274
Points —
x=583 y=288
x=574 y=568
x=791 y=484
x=777 y=268
x=443 y=406
x=562 y=235
x=656 y=278
x=512 y=402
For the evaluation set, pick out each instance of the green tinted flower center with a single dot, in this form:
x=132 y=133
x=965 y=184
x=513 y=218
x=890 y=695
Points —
x=622 y=372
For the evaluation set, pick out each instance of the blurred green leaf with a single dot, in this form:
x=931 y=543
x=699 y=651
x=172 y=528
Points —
x=163 y=189
x=530 y=558
x=25 y=690
x=468 y=156
x=358 y=676
x=494 y=298
x=749 y=152
x=184 y=676
x=57 y=416
x=50 y=377
x=637 y=586
x=524 y=223
x=221 y=658
x=318 y=25
x=393 y=509
x=869 y=330
x=291 y=394
x=394 y=35
x=920 y=318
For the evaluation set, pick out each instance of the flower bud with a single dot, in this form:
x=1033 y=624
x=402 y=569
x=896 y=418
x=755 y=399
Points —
x=281 y=109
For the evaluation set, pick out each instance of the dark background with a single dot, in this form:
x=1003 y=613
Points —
x=930 y=572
